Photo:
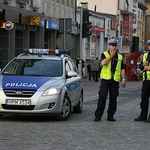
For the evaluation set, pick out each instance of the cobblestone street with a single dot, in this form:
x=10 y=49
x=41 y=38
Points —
x=80 y=132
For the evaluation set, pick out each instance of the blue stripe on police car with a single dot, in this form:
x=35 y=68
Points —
x=25 y=82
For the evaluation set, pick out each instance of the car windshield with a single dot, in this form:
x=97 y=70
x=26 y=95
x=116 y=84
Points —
x=34 y=67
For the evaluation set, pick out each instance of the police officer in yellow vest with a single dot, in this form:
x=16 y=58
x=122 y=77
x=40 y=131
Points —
x=112 y=72
x=145 y=66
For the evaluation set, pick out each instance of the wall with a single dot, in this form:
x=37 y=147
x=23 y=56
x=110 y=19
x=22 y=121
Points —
x=103 y=6
x=51 y=8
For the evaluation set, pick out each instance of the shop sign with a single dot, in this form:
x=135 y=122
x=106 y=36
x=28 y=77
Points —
x=113 y=24
x=8 y=25
x=35 y=20
x=93 y=44
x=74 y=30
x=52 y=25
x=42 y=22
x=23 y=1
x=119 y=44
x=107 y=27
x=97 y=29
x=127 y=27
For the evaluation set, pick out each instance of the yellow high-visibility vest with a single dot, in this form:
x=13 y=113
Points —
x=106 y=69
x=146 y=74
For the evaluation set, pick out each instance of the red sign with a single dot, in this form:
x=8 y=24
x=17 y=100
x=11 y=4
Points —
x=127 y=27
x=98 y=29
x=113 y=24
x=94 y=38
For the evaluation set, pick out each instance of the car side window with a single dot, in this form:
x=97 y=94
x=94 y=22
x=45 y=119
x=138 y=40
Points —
x=70 y=64
x=74 y=66
x=67 y=67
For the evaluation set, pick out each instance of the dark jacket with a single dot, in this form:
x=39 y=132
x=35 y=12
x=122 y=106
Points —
x=77 y=62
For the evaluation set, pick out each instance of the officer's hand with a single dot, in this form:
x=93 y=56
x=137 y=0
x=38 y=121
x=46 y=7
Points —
x=112 y=53
x=123 y=83
x=145 y=63
x=147 y=68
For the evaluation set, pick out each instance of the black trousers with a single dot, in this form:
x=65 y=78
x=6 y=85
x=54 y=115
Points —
x=91 y=74
x=111 y=87
x=145 y=98
x=96 y=76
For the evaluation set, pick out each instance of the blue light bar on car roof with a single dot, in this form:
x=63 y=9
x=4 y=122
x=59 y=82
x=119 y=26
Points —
x=45 y=51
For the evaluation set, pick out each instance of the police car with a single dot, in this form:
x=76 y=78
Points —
x=41 y=81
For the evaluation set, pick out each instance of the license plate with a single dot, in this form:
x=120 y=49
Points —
x=18 y=102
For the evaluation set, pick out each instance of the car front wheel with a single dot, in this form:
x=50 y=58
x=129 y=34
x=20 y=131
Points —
x=66 y=109
x=78 y=108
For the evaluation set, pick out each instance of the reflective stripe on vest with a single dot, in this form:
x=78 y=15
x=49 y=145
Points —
x=147 y=72
x=106 y=69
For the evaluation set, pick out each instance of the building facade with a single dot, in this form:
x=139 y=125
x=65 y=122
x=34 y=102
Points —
x=130 y=16
x=34 y=24
x=102 y=30
x=147 y=26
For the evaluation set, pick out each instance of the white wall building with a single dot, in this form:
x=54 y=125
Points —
x=130 y=15
x=101 y=32
x=102 y=6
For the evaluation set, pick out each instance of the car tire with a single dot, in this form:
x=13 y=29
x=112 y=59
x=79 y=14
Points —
x=66 y=109
x=78 y=108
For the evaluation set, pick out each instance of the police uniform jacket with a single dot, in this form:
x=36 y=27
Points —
x=116 y=61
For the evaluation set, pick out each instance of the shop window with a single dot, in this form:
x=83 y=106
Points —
x=18 y=42
x=32 y=39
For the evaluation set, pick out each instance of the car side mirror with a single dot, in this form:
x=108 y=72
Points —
x=71 y=74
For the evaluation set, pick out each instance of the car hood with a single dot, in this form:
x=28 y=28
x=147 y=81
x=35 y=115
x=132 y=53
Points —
x=26 y=82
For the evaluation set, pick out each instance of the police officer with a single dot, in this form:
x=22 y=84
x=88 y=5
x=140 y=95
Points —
x=145 y=66
x=112 y=70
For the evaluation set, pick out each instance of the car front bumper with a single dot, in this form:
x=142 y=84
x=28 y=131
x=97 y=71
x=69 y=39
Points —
x=39 y=104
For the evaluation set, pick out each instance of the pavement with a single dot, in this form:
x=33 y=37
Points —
x=91 y=87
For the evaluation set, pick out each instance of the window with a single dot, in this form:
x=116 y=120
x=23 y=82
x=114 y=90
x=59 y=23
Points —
x=63 y=1
x=67 y=3
x=141 y=15
x=72 y=4
x=67 y=67
x=71 y=66
x=34 y=67
x=138 y=14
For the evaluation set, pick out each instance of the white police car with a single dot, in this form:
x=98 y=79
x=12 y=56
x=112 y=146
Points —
x=41 y=81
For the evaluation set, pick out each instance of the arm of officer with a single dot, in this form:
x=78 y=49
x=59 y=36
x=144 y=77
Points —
x=123 y=73
x=107 y=60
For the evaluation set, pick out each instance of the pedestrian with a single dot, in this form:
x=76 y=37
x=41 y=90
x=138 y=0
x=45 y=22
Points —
x=112 y=70
x=96 y=68
x=134 y=74
x=144 y=105
x=90 y=69
x=79 y=61
x=0 y=60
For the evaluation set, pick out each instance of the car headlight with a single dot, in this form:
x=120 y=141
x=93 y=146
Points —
x=52 y=91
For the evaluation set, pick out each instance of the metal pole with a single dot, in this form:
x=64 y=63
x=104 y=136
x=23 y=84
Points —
x=81 y=21
x=64 y=33
x=83 y=5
